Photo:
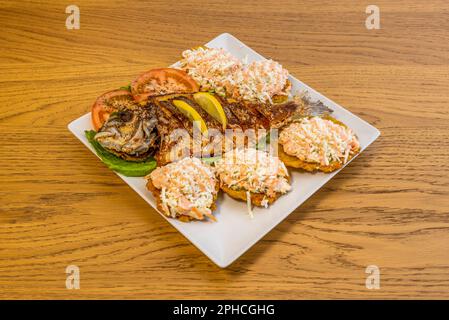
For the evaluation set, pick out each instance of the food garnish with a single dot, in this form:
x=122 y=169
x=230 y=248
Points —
x=192 y=114
x=108 y=103
x=212 y=69
x=185 y=189
x=316 y=143
x=262 y=80
x=127 y=168
x=212 y=106
x=162 y=81
x=248 y=171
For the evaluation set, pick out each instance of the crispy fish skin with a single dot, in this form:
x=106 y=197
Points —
x=250 y=115
x=277 y=113
x=241 y=116
x=130 y=132
x=247 y=116
x=177 y=132
x=171 y=145
x=170 y=118
x=168 y=107
x=232 y=121
x=280 y=114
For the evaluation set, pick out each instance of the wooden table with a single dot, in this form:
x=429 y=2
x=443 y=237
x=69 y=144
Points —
x=60 y=206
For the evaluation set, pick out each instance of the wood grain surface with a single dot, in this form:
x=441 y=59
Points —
x=60 y=206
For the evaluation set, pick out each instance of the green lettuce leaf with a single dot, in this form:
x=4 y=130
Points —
x=128 y=87
x=127 y=168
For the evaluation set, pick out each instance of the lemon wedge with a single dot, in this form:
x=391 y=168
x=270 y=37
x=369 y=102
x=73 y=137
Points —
x=192 y=114
x=212 y=106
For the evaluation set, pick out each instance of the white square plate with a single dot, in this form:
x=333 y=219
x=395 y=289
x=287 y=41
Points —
x=235 y=232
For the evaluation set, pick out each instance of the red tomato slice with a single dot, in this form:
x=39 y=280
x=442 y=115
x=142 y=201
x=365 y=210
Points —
x=108 y=103
x=162 y=81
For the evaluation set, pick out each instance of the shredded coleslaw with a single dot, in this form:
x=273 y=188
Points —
x=319 y=140
x=218 y=70
x=188 y=187
x=254 y=171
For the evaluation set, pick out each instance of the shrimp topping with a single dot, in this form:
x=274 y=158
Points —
x=261 y=80
x=211 y=68
x=188 y=187
x=218 y=70
x=254 y=171
x=319 y=140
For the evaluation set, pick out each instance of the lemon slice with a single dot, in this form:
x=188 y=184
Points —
x=212 y=106
x=192 y=114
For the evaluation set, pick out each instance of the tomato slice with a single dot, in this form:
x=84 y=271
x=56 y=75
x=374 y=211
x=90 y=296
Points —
x=162 y=81
x=108 y=103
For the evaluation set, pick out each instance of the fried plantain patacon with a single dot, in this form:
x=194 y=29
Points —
x=186 y=189
x=317 y=144
x=252 y=175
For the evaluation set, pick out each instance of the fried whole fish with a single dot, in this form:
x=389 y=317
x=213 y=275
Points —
x=249 y=123
x=135 y=131
x=175 y=141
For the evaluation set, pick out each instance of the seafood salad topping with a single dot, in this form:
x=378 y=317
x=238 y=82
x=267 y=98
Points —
x=211 y=68
x=253 y=170
x=319 y=140
x=218 y=70
x=187 y=187
x=261 y=80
